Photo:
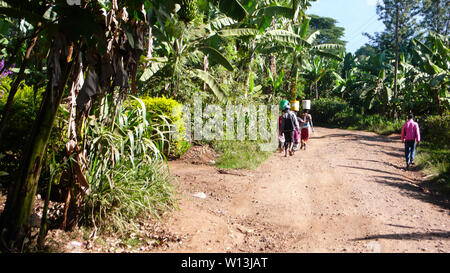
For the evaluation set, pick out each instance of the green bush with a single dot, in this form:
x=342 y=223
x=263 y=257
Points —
x=378 y=124
x=433 y=153
x=166 y=114
x=330 y=111
x=335 y=112
x=436 y=129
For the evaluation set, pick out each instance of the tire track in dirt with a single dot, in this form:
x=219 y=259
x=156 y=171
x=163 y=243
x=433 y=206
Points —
x=346 y=193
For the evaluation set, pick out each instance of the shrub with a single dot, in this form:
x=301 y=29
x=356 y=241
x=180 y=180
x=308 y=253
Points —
x=336 y=112
x=167 y=117
x=433 y=154
x=437 y=129
x=329 y=111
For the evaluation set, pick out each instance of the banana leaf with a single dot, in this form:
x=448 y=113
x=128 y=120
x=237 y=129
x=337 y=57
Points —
x=217 y=57
x=238 y=32
x=274 y=11
x=284 y=36
x=233 y=9
x=211 y=82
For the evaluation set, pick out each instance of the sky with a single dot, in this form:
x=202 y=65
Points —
x=355 y=16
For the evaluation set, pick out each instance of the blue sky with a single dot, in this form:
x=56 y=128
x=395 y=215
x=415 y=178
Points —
x=356 y=16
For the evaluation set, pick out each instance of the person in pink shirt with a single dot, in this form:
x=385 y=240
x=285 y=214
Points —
x=411 y=137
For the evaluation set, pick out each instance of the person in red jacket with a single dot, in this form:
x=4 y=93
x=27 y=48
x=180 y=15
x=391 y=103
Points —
x=411 y=137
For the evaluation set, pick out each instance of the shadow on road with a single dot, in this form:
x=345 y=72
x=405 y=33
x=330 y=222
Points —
x=409 y=236
x=415 y=190
x=376 y=170
x=410 y=187
x=358 y=137
x=389 y=164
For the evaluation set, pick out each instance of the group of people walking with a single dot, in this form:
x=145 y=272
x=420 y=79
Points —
x=294 y=128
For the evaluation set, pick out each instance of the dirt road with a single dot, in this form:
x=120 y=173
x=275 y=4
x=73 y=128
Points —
x=347 y=192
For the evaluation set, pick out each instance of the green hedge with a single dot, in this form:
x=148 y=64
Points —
x=436 y=129
x=330 y=111
x=335 y=112
x=167 y=114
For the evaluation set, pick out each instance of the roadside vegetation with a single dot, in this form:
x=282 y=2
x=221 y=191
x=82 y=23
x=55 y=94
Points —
x=433 y=155
x=240 y=154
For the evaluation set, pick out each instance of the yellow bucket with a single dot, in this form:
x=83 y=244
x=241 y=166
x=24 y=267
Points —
x=295 y=105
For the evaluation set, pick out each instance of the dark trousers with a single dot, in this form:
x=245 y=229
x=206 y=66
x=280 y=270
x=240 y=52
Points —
x=410 y=151
x=288 y=138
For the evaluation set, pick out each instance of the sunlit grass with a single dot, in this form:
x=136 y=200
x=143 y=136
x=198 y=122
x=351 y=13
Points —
x=240 y=155
x=434 y=160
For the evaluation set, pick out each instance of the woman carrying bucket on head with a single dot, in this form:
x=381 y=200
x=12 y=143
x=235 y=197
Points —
x=281 y=139
x=295 y=107
x=288 y=126
x=306 y=125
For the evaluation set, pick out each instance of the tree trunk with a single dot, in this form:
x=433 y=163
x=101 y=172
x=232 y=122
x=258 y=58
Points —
x=294 y=91
x=396 y=57
x=20 y=200
x=438 y=102
x=273 y=66
x=249 y=74
x=150 y=42
x=205 y=68
x=317 y=91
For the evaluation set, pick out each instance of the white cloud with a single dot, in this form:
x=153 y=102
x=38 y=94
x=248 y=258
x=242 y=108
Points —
x=372 y=2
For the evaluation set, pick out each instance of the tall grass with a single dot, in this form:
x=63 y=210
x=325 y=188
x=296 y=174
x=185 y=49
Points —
x=434 y=160
x=433 y=154
x=127 y=174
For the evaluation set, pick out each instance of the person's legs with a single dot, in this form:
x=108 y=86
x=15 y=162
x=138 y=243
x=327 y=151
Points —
x=413 y=152
x=292 y=143
x=408 y=153
x=304 y=137
x=289 y=141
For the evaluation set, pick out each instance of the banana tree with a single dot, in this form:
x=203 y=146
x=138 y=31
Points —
x=187 y=47
x=300 y=47
x=276 y=82
x=373 y=84
x=183 y=48
x=346 y=77
x=313 y=73
x=431 y=72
